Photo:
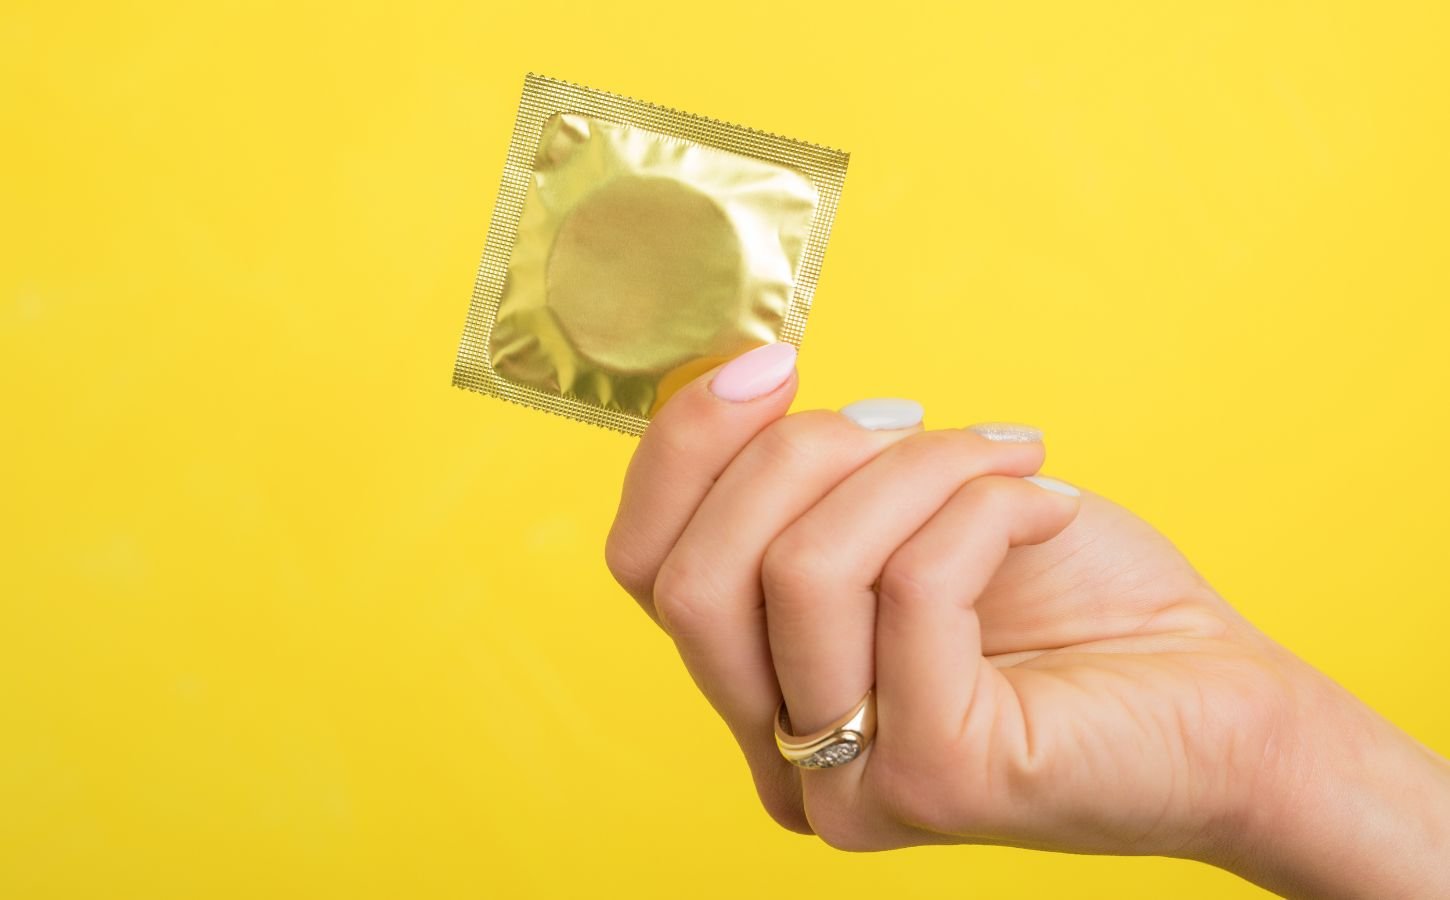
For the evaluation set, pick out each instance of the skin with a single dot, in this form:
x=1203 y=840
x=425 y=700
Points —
x=1050 y=672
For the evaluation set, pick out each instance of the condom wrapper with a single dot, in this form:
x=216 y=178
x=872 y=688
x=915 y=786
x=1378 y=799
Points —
x=634 y=247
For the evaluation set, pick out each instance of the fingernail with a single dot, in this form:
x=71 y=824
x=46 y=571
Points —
x=884 y=413
x=1007 y=432
x=1052 y=484
x=754 y=374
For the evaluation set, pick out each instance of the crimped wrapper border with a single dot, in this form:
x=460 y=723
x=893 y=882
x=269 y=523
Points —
x=542 y=98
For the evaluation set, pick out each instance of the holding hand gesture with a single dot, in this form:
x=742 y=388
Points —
x=1044 y=669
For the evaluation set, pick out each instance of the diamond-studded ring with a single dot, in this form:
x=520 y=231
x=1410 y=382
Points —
x=836 y=744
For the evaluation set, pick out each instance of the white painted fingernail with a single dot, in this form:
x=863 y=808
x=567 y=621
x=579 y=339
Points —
x=884 y=413
x=1052 y=484
x=1007 y=432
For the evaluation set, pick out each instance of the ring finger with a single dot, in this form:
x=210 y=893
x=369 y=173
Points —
x=820 y=575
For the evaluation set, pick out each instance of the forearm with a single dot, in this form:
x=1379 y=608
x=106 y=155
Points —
x=1348 y=806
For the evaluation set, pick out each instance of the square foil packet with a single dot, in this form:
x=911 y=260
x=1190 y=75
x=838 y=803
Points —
x=634 y=247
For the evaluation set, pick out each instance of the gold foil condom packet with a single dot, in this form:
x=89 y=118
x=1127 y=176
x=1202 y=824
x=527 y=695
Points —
x=634 y=247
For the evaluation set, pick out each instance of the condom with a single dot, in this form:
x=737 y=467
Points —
x=634 y=247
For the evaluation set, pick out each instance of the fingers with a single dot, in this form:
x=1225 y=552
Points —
x=688 y=443
x=820 y=574
x=1034 y=601
x=708 y=595
x=930 y=671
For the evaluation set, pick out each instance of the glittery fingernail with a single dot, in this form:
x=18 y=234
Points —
x=1007 y=432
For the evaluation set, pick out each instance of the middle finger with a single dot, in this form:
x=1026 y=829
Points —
x=820 y=574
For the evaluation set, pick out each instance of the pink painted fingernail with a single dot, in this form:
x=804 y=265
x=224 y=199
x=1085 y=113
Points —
x=754 y=374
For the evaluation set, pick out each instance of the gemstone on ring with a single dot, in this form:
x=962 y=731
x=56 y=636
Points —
x=831 y=756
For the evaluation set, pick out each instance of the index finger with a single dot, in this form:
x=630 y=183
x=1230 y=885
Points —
x=688 y=443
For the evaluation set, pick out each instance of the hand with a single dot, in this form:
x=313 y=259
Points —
x=1089 y=693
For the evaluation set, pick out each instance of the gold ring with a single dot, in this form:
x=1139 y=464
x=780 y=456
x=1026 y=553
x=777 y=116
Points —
x=836 y=744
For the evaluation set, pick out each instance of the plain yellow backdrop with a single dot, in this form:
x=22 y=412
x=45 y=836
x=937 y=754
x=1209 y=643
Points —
x=283 y=614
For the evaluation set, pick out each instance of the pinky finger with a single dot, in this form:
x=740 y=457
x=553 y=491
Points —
x=930 y=673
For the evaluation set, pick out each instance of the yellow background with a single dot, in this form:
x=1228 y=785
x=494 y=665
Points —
x=285 y=615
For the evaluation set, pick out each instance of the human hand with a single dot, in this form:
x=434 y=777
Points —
x=1090 y=693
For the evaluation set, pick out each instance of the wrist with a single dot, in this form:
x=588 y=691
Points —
x=1345 y=804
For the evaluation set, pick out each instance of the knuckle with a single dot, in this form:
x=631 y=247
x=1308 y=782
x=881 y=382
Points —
x=907 y=581
x=793 y=567
x=625 y=565
x=795 y=440
x=680 y=599
x=994 y=493
x=929 y=447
